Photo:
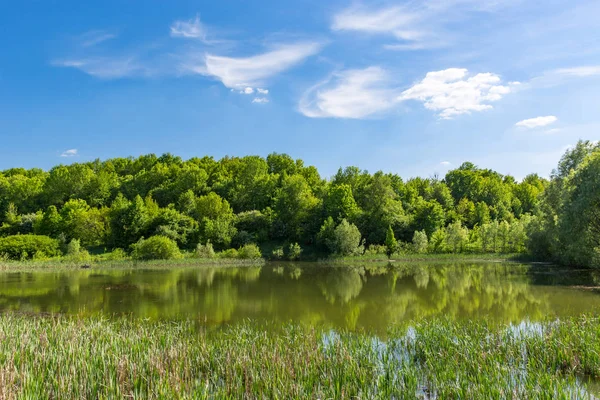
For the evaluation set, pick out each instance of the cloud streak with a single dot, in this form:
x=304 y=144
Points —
x=93 y=38
x=537 y=122
x=349 y=94
x=363 y=93
x=243 y=72
x=192 y=29
x=106 y=67
x=69 y=153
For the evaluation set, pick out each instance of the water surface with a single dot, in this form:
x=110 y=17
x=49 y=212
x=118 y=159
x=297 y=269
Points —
x=366 y=296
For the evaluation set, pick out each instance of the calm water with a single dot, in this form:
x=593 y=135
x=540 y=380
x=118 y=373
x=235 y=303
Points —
x=353 y=297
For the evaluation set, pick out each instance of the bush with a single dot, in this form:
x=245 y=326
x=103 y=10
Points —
x=115 y=255
x=420 y=242
x=205 y=250
x=345 y=240
x=375 y=249
x=250 y=252
x=278 y=253
x=21 y=247
x=229 y=253
x=75 y=253
x=293 y=251
x=156 y=248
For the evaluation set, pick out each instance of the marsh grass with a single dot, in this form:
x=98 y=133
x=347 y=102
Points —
x=69 y=357
x=66 y=263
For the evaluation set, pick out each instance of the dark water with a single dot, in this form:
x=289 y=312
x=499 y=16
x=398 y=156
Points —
x=355 y=297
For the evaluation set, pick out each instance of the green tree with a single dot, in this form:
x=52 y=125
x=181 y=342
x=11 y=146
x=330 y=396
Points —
x=345 y=240
x=391 y=243
x=420 y=242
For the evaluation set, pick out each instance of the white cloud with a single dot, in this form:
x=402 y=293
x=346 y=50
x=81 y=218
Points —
x=254 y=71
x=537 y=122
x=192 y=29
x=362 y=93
x=247 y=90
x=415 y=25
x=107 y=67
x=561 y=76
x=262 y=91
x=260 y=100
x=451 y=92
x=579 y=72
x=69 y=153
x=93 y=38
x=353 y=94
x=397 y=21
x=446 y=163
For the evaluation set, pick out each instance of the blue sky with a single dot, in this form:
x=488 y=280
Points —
x=412 y=87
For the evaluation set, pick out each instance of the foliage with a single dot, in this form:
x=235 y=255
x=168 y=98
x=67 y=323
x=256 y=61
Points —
x=249 y=251
x=391 y=243
x=420 y=242
x=156 y=248
x=20 y=247
x=345 y=240
x=205 y=250
x=293 y=251
x=236 y=201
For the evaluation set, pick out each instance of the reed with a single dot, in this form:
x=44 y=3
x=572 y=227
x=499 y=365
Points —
x=100 y=357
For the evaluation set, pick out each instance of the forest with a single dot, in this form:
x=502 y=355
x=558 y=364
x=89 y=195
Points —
x=279 y=208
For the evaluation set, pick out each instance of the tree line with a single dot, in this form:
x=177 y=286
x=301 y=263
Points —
x=286 y=207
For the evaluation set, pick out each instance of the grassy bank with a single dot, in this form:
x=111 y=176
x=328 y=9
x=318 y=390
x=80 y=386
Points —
x=455 y=257
x=128 y=262
x=102 y=358
x=65 y=263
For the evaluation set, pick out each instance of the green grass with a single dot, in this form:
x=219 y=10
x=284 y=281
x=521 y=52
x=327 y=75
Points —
x=66 y=263
x=63 y=357
x=455 y=257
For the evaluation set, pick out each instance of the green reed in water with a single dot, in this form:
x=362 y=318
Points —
x=62 y=357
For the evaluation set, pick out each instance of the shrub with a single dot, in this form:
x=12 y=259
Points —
x=278 y=253
x=156 y=248
x=115 y=255
x=345 y=240
x=376 y=249
x=249 y=251
x=21 y=247
x=293 y=251
x=75 y=253
x=420 y=242
x=229 y=253
x=205 y=250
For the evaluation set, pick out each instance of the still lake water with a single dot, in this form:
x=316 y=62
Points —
x=369 y=297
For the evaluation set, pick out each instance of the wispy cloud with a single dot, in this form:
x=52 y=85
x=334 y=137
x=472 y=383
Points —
x=191 y=29
x=260 y=100
x=452 y=92
x=578 y=72
x=93 y=38
x=69 y=153
x=445 y=163
x=561 y=76
x=362 y=93
x=107 y=67
x=349 y=94
x=537 y=122
x=415 y=25
x=243 y=72
x=262 y=91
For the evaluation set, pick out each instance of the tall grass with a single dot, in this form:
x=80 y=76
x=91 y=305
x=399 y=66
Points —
x=63 y=357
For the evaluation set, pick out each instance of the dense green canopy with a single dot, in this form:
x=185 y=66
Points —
x=239 y=200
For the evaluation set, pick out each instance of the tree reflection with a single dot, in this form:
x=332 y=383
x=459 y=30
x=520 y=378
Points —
x=371 y=296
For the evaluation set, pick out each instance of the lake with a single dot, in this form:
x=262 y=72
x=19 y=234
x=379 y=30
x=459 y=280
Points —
x=369 y=296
